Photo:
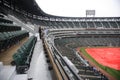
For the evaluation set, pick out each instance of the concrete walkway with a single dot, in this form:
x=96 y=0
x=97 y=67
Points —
x=39 y=68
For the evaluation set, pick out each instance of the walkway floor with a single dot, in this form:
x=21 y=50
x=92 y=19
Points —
x=39 y=68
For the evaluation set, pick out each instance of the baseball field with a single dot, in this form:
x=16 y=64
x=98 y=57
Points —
x=107 y=58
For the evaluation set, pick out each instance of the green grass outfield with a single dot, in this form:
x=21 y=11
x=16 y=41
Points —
x=111 y=71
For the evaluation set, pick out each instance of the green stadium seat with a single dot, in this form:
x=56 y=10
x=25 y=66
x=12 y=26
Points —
x=9 y=38
x=83 y=24
x=9 y=27
x=23 y=56
x=5 y=21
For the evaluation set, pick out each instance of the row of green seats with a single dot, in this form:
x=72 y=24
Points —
x=9 y=27
x=8 y=35
x=23 y=55
x=7 y=39
x=2 y=20
x=1 y=15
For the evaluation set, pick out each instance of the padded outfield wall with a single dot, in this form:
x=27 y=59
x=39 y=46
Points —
x=107 y=59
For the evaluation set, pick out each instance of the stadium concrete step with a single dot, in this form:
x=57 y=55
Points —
x=21 y=77
x=89 y=77
x=77 y=63
x=2 y=20
x=1 y=66
x=7 y=73
x=71 y=57
x=1 y=15
x=80 y=67
x=87 y=72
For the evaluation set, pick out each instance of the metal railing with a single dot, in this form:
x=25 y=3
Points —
x=72 y=75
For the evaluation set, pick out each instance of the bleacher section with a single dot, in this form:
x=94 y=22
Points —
x=9 y=27
x=69 y=35
x=118 y=22
x=7 y=39
x=23 y=55
x=113 y=24
x=10 y=35
x=2 y=20
x=1 y=15
x=98 y=23
x=83 y=24
x=67 y=47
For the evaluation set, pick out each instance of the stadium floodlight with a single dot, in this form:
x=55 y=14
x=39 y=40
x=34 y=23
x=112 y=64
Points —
x=90 y=13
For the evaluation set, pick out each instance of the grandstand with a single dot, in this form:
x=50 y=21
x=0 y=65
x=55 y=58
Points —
x=35 y=45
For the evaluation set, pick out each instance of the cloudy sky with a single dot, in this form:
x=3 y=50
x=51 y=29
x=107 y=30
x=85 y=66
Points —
x=77 y=8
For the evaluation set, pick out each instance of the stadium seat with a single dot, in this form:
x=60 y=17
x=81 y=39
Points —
x=105 y=24
x=113 y=24
x=9 y=38
x=118 y=22
x=9 y=27
x=24 y=54
x=5 y=21
x=83 y=24
x=1 y=15
x=77 y=24
x=91 y=25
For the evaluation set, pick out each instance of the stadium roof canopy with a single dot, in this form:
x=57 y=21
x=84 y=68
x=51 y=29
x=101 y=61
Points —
x=77 y=8
x=32 y=7
x=29 y=6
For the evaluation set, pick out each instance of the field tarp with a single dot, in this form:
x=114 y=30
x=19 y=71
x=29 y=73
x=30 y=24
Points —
x=112 y=71
x=109 y=57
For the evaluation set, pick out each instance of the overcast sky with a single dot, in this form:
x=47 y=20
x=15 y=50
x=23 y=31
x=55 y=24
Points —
x=77 y=8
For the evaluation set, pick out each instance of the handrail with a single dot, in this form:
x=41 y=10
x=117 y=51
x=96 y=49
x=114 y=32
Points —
x=53 y=62
x=75 y=76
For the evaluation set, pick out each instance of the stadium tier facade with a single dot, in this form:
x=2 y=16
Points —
x=66 y=42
